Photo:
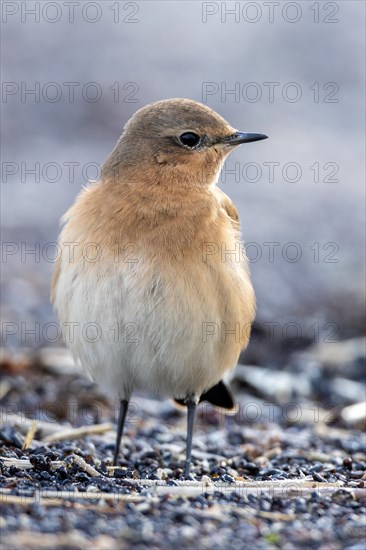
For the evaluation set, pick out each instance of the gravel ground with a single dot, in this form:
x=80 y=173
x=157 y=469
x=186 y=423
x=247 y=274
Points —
x=286 y=471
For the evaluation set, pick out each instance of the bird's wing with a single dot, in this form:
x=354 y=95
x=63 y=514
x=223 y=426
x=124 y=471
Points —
x=229 y=207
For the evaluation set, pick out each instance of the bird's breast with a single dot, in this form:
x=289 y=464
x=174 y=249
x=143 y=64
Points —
x=173 y=301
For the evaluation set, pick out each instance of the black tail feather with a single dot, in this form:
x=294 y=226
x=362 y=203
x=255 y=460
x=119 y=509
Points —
x=219 y=395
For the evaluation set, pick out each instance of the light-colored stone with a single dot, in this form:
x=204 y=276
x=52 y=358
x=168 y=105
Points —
x=355 y=415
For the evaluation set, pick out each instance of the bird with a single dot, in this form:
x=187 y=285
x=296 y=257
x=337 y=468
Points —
x=147 y=275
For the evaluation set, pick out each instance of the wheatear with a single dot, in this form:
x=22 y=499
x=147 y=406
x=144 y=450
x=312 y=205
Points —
x=147 y=273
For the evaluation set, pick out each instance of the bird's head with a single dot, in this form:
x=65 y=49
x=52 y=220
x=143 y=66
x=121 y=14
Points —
x=176 y=141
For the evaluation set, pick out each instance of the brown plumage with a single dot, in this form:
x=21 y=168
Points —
x=165 y=237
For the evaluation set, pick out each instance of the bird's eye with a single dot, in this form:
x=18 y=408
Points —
x=189 y=139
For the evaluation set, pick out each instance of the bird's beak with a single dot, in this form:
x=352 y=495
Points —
x=242 y=137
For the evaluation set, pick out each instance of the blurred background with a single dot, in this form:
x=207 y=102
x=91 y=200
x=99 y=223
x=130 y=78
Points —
x=72 y=77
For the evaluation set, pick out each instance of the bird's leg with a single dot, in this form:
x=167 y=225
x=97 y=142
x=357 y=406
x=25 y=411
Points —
x=123 y=406
x=191 y=406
